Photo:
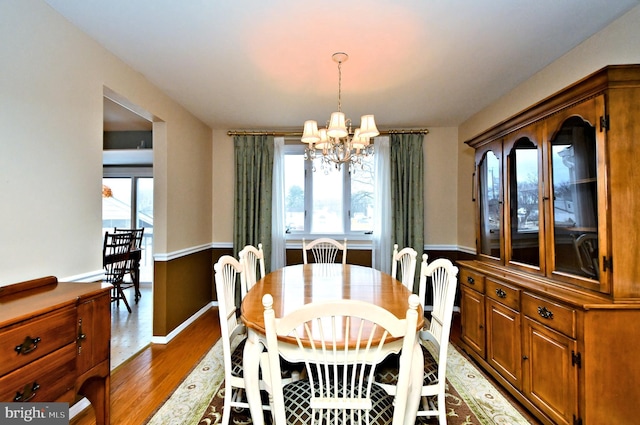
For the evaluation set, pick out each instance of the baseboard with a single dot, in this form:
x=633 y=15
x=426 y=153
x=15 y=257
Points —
x=183 y=325
x=78 y=407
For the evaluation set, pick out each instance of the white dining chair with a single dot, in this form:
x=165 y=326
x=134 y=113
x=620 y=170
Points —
x=252 y=259
x=233 y=334
x=338 y=388
x=434 y=339
x=406 y=259
x=324 y=250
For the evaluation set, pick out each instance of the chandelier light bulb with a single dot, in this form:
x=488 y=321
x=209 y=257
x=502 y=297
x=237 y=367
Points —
x=310 y=133
x=368 y=127
x=337 y=126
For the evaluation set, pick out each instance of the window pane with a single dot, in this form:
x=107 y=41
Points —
x=327 y=211
x=116 y=203
x=294 y=192
x=525 y=239
x=144 y=203
x=144 y=218
x=362 y=196
x=490 y=205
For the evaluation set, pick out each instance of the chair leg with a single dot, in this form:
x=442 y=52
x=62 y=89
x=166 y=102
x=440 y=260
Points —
x=124 y=298
x=226 y=406
x=442 y=410
x=119 y=295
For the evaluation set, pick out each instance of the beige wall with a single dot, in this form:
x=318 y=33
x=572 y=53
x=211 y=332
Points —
x=53 y=78
x=441 y=188
x=618 y=43
x=223 y=183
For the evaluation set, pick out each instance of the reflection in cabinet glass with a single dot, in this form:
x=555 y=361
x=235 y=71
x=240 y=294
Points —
x=575 y=199
x=490 y=205
x=525 y=210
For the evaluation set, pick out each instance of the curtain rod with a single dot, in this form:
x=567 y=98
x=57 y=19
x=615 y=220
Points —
x=299 y=133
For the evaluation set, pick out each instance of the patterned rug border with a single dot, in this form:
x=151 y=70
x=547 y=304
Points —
x=189 y=401
x=482 y=397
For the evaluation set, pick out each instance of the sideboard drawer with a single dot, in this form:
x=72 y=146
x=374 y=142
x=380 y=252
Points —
x=44 y=379
x=555 y=316
x=31 y=340
x=503 y=293
x=472 y=279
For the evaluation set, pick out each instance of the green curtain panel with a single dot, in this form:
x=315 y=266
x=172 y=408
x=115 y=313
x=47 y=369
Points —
x=253 y=193
x=407 y=192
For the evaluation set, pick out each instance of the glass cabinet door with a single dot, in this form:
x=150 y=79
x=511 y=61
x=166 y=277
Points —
x=490 y=205
x=524 y=212
x=574 y=192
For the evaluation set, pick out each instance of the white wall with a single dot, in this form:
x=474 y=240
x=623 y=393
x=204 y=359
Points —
x=51 y=94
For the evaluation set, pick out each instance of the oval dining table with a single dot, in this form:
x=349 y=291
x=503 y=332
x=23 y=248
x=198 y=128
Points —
x=293 y=286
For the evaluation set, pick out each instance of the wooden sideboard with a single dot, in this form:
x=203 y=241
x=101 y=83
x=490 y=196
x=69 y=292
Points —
x=55 y=343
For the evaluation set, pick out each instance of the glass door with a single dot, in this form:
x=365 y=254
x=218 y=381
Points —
x=578 y=212
x=490 y=204
x=524 y=238
x=127 y=202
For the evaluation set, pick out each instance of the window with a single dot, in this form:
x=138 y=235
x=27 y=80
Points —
x=338 y=202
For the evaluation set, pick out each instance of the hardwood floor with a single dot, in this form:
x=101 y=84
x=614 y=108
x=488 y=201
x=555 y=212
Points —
x=140 y=385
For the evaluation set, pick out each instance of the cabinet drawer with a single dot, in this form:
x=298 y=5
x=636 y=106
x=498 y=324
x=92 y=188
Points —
x=472 y=279
x=558 y=317
x=503 y=293
x=51 y=376
x=35 y=339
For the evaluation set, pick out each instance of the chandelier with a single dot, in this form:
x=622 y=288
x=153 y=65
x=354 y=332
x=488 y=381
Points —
x=337 y=144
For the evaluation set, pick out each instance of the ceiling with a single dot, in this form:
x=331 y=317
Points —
x=118 y=118
x=258 y=64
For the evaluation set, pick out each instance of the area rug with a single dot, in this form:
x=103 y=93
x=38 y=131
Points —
x=471 y=398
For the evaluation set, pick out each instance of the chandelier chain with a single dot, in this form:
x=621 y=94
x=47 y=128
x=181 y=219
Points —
x=340 y=86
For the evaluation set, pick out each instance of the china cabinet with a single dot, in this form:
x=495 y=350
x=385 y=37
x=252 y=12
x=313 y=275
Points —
x=551 y=305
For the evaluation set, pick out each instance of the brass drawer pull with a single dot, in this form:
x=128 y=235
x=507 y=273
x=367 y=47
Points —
x=27 y=393
x=545 y=313
x=470 y=280
x=500 y=293
x=28 y=345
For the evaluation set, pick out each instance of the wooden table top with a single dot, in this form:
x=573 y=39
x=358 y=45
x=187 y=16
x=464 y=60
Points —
x=294 y=286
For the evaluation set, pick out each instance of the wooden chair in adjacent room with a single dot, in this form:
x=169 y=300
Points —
x=338 y=387
x=133 y=265
x=406 y=259
x=324 y=250
x=115 y=258
x=434 y=339
x=252 y=259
